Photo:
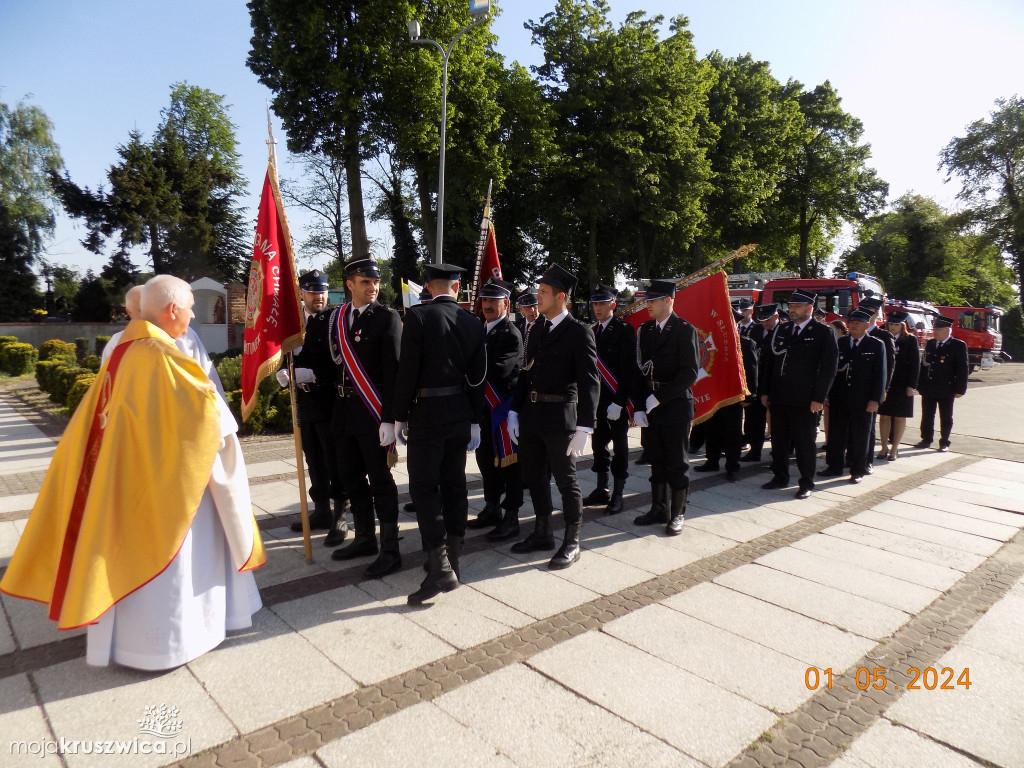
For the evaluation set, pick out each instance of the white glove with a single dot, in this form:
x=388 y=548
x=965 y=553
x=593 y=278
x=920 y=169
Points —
x=652 y=403
x=640 y=418
x=282 y=377
x=305 y=376
x=513 y=426
x=614 y=411
x=402 y=432
x=474 y=438
x=578 y=443
x=386 y=433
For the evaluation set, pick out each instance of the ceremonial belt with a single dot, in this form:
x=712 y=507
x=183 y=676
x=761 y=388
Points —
x=92 y=451
x=654 y=385
x=347 y=391
x=504 y=449
x=458 y=389
x=543 y=397
x=354 y=368
x=308 y=386
x=612 y=383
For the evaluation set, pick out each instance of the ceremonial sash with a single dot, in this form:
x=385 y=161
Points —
x=504 y=449
x=92 y=452
x=613 y=384
x=360 y=380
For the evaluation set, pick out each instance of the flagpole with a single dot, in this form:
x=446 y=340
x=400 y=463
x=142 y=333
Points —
x=481 y=244
x=300 y=468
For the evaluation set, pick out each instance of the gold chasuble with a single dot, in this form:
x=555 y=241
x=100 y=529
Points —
x=124 y=484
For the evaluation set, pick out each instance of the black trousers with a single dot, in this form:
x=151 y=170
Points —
x=541 y=455
x=849 y=438
x=794 y=425
x=928 y=406
x=498 y=480
x=363 y=468
x=724 y=436
x=614 y=432
x=324 y=481
x=755 y=421
x=666 y=448
x=437 y=480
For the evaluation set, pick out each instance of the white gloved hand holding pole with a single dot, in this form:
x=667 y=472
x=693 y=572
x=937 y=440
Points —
x=640 y=418
x=386 y=433
x=305 y=376
x=282 y=377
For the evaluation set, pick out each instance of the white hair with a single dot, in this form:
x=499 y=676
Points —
x=162 y=291
x=133 y=302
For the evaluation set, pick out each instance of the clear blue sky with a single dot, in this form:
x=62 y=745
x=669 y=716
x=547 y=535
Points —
x=916 y=73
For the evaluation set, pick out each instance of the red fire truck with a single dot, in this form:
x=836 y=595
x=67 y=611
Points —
x=978 y=327
x=748 y=285
x=836 y=296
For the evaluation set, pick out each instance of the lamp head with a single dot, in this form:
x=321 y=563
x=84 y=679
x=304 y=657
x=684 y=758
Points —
x=478 y=8
x=414 y=29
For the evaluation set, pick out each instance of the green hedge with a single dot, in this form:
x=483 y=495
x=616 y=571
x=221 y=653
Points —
x=78 y=390
x=81 y=349
x=17 y=359
x=44 y=373
x=55 y=348
x=92 y=362
x=62 y=380
x=8 y=340
x=99 y=345
x=281 y=420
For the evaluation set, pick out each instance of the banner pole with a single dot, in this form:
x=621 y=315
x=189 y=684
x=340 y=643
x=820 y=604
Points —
x=297 y=436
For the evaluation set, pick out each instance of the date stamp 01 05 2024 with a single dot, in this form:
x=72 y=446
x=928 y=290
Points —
x=929 y=678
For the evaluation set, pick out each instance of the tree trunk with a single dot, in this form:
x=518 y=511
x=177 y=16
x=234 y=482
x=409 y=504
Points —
x=356 y=214
x=592 y=251
x=805 y=234
x=642 y=262
x=427 y=217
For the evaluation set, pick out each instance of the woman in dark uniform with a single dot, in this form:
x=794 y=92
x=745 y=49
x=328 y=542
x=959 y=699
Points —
x=899 y=400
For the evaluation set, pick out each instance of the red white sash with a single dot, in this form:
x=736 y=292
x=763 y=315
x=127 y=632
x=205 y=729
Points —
x=354 y=368
x=612 y=383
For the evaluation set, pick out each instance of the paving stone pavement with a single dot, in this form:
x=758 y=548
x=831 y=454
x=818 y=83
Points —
x=685 y=651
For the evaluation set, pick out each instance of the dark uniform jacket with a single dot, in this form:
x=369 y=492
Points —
x=749 y=350
x=442 y=346
x=560 y=361
x=376 y=337
x=753 y=331
x=890 y=350
x=943 y=369
x=907 y=367
x=316 y=401
x=797 y=372
x=674 y=360
x=616 y=346
x=504 y=353
x=861 y=374
x=763 y=350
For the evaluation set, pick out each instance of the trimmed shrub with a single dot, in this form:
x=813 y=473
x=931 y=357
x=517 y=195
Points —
x=17 y=359
x=92 y=362
x=62 y=380
x=100 y=344
x=281 y=420
x=8 y=340
x=81 y=349
x=55 y=348
x=229 y=352
x=78 y=390
x=44 y=373
x=230 y=371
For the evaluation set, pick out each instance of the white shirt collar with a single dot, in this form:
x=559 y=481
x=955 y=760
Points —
x=800 y=328
x=492 y=323
x=604 y=325
x=559 y=318
x=661 y=324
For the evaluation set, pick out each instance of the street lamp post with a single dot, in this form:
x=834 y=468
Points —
x=478 y=10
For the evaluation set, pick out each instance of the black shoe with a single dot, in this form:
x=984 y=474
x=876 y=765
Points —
x=409 y=507
x=540 y=540
x=642 y=459
x=803 y=493
x=658 y=513
x=600 y=493
x=731 y=475
x=615 y=503
x=829 y=472
x=569 y=552
x=675 y=523
x=454 y=551
x=943 y=449
x=508 y=528
x=390 y=558
x=707 y=466
x=360 y=546
x=337 y=534
x=882 y=456
x=923 y=444
x=489 y=517
x=774 y=483
x=856 y=479
x=751 y=457
x=318 y=521
x=440 y=577
x=869 y=470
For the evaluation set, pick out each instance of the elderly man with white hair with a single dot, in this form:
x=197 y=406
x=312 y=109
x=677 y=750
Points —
x=143 y=530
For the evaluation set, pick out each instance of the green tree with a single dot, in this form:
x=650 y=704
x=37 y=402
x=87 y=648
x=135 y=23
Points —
x=827 y=180
x=92 y=302
x=177 y=195
x=321 y=191
x=989 y=161
x=28 y=154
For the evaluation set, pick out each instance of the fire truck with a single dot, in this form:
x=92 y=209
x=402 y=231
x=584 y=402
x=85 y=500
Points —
x=836 y=296
x=978 y=327
x=748 y=285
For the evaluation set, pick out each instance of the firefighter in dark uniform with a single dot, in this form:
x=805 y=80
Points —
x=528 y=316
x=669 y=361
x=616 y=357
x=880 y=332
x=553 y=414
x=314 y=397
x=943 y=378
x=496 y=457
x=437 y=409
x=725 y=428
x=799 y=366
x=854 y=398
x=364 y=338
x=755 y=417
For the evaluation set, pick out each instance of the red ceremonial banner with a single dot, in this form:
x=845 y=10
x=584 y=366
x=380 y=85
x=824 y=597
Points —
x=273 y=316
x=705 y=305
x=489 y=266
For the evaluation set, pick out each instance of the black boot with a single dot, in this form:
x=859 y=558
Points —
x=615 y=504
x=440 y=577
x=390 y=558
x=600 y=494
x=365 y=542
x=707 y=466
x=489 y=517
x=659 y=506
x=541 y=538
x=508 y=528
x=569 y=552
x=675 y=523
x=339 y=530
x=752 y=455
x=320 y=519
x=454 y=550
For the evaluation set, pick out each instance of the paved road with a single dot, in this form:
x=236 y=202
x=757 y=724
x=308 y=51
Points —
x=697 y=650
